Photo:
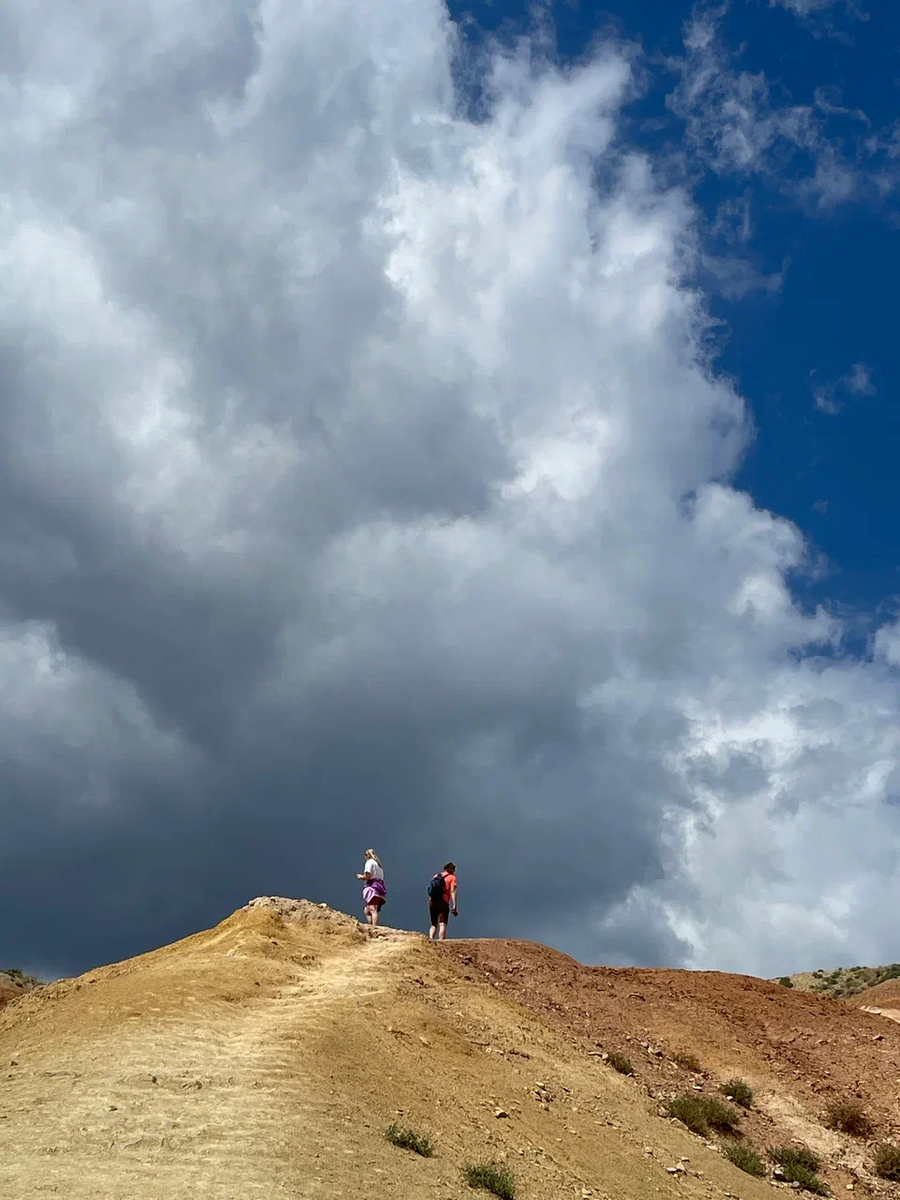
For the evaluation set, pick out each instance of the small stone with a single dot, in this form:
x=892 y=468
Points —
x=849 y=1187
x=499 y=1112
x=648 y=1149
x=424 y=1040
x=114 y=1108
x=13 y=1062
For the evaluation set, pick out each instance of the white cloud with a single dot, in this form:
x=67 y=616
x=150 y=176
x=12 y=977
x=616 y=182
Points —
x=859 y=380
x=831 y=397
x=377 y=455
x=809 y=11
x=743 y=125
x=804 y=8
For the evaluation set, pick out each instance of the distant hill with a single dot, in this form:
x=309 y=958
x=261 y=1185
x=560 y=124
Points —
x=14 y=983
x=843 y=982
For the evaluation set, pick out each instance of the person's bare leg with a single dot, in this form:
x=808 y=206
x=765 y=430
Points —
x=442 y=931
x=431 y=933
x=376 y=911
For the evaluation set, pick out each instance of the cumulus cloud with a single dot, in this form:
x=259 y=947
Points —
x=365 y=479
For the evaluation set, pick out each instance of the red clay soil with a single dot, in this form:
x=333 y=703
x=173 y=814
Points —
x=808 y=1046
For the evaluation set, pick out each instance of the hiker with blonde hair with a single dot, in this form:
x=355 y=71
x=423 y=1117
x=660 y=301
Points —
x=374 y=892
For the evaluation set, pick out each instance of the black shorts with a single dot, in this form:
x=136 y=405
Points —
x=439 y=911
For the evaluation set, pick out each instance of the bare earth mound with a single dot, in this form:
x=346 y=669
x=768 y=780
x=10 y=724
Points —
x=887 y=993
x=266 y=1057
x=14 y=984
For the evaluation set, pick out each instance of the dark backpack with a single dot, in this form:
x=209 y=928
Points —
x=436 y=888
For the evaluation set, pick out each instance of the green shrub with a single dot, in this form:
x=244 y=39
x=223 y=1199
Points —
x=19 y=976
x=849 y=1116
x=799 y=1165
x=492 y=1178
x=690 y=1062
x=620 y=1063
x=408 y=1139
x=790 y=1156
x=786 y=981
x=887 y=1161
x=744 y=1157
x=703 y=1113
x=739 y=1091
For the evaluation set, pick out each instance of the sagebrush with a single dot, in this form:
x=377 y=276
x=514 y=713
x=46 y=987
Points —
x=690 y=1062
x=739 y=1091
x=620 y=1063
x=887 y=1162
x=491 y=1177
x=799 y=1165
x=702 y=1114
x=744 y=1157
x=849 y=1116
x=790 y=1156
x=408 y=1139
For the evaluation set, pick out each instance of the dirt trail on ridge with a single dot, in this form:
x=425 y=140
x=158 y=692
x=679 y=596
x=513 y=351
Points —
x=267 y=1056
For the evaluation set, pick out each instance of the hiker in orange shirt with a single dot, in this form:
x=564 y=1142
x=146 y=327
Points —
x=442 y=901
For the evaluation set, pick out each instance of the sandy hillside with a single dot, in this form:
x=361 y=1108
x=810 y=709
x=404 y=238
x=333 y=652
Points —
x=13 y=984
x=883 y=999
x=843 y=982
x=10 y=989
x=267 y=1056
x=887 y=993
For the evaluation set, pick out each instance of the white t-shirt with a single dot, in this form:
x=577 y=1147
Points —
x=373 y=869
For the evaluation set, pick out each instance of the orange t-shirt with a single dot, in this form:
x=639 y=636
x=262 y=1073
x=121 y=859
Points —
x=449 y=887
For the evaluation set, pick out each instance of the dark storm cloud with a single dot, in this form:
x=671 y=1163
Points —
x=344 y=448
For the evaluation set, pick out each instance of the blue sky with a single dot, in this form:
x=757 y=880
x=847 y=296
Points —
x=832 y=472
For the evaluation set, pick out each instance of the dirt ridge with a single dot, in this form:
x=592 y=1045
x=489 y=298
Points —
x=266 y=1057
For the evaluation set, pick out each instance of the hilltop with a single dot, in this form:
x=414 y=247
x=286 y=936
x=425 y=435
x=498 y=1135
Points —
x=843 y=982
x=267 y=1057
x=14 y=983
